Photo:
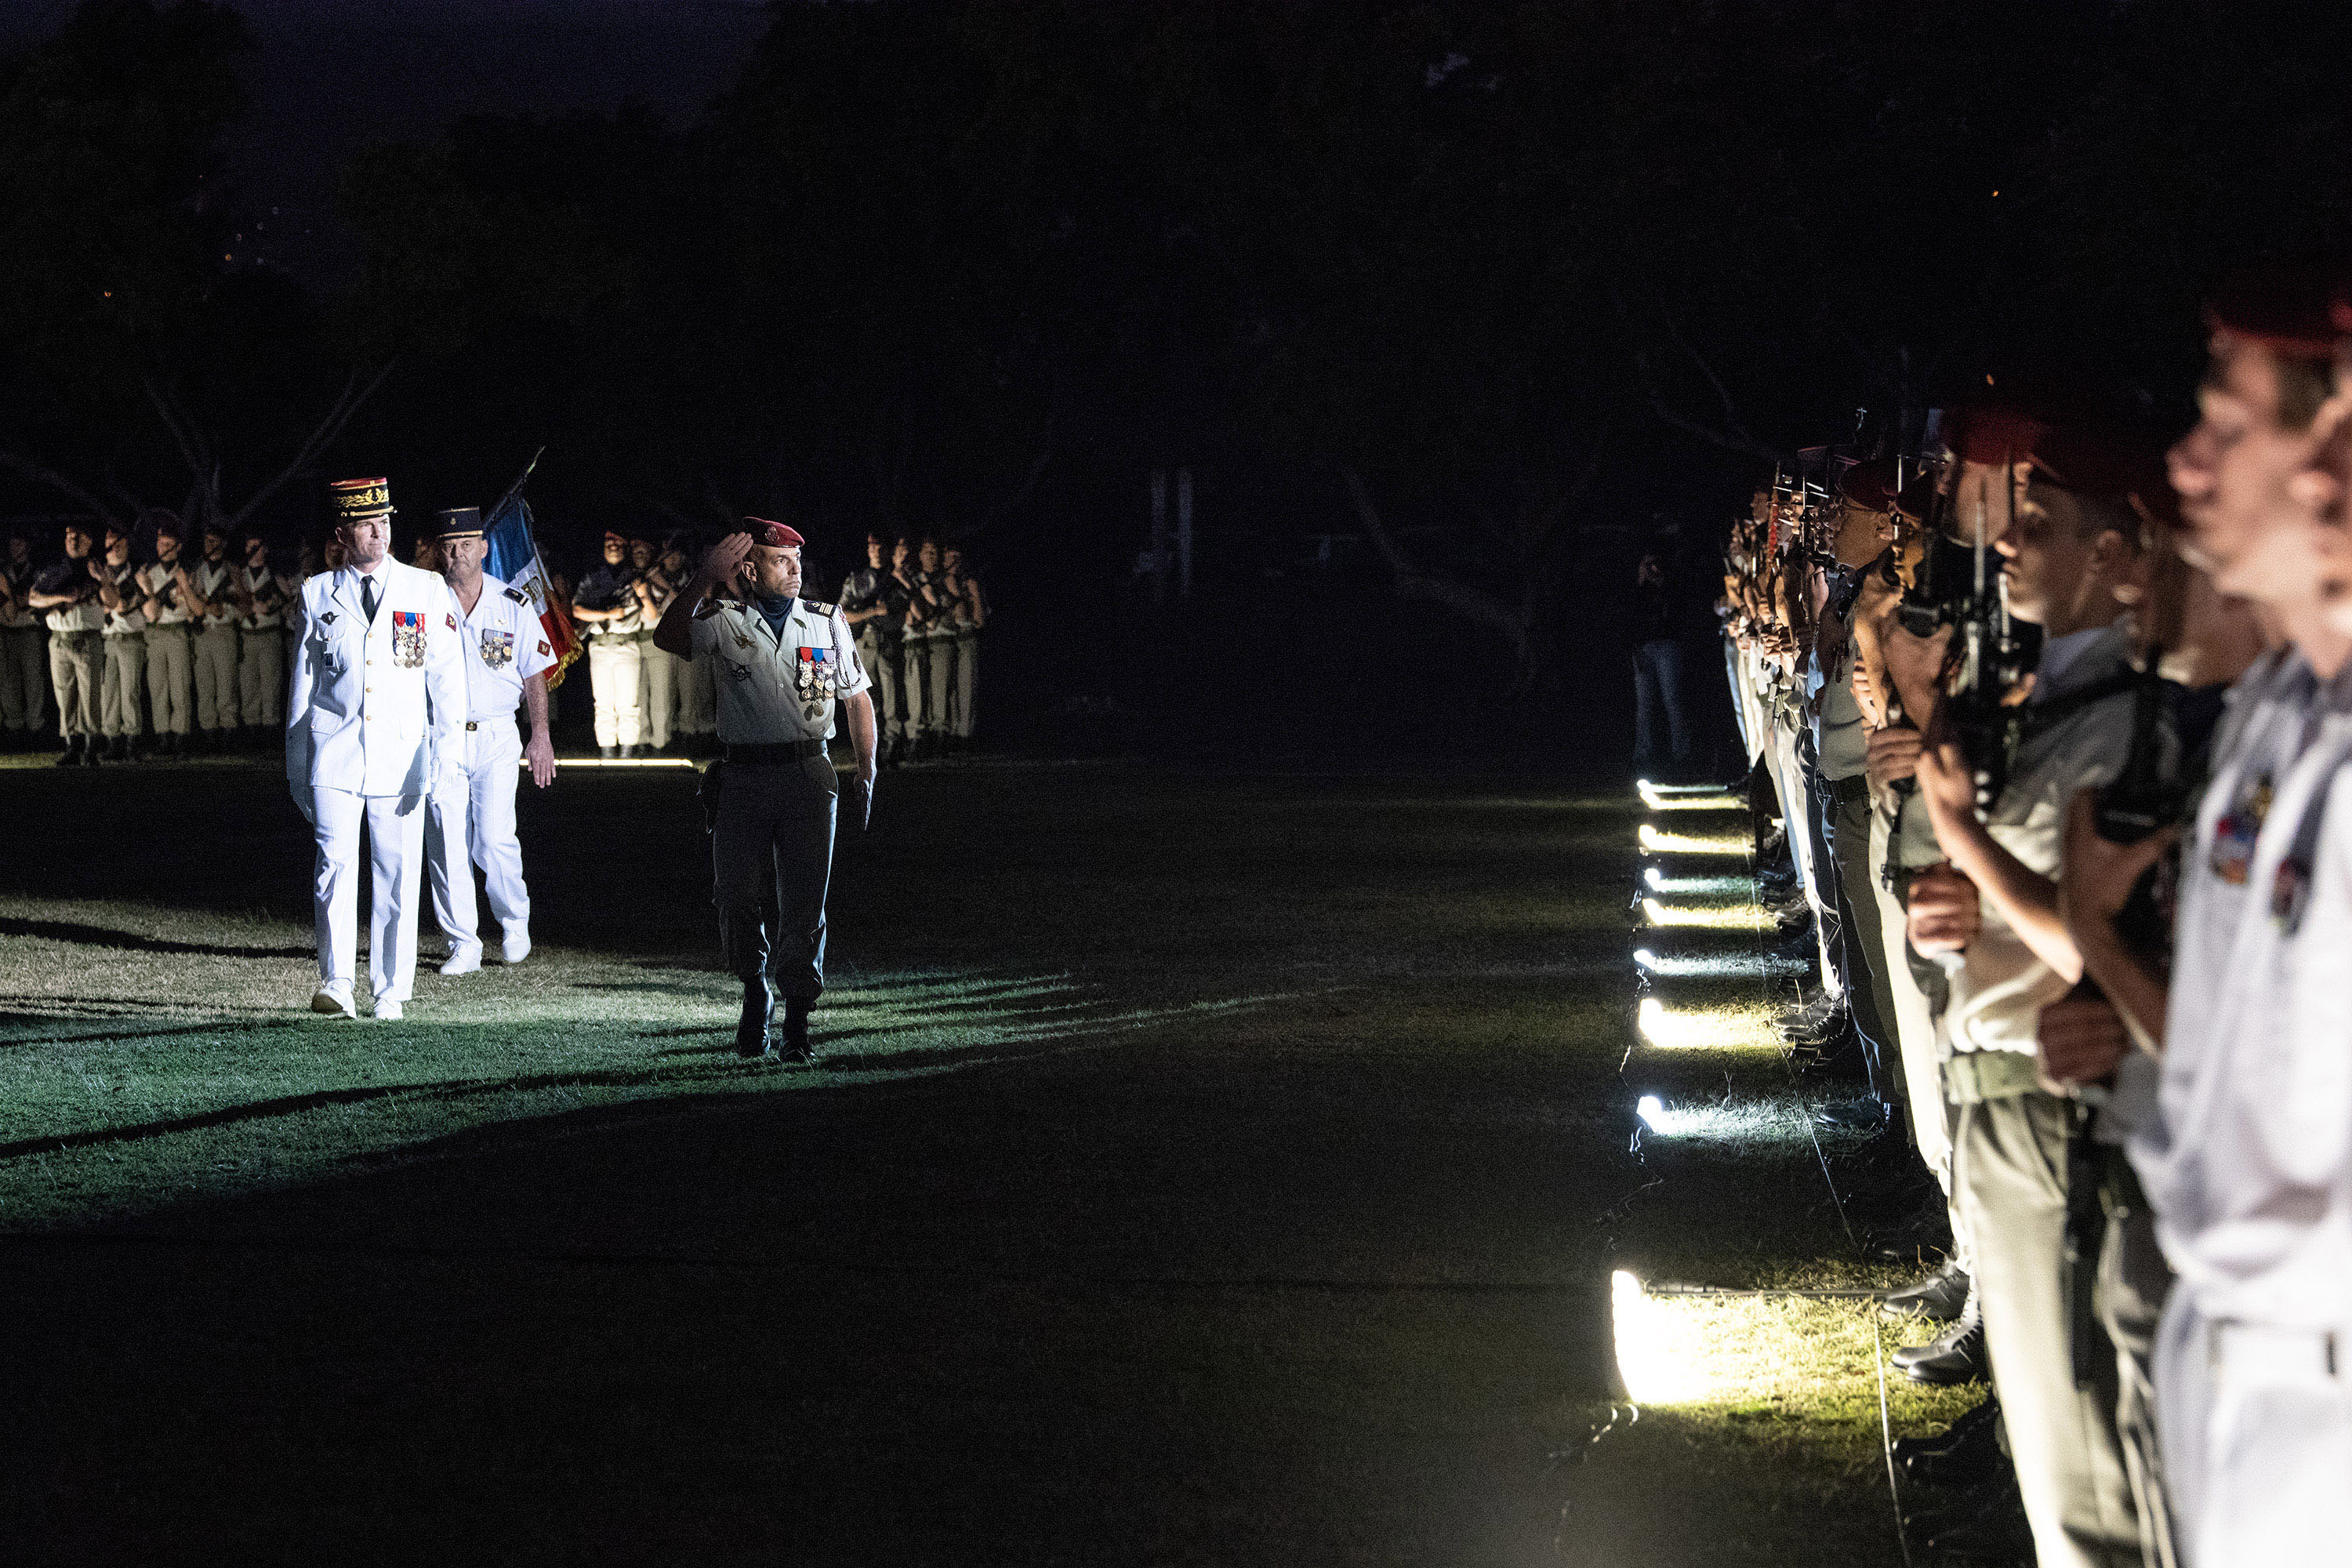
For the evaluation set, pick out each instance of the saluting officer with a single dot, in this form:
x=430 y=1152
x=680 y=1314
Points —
x=782 y=664
x=377 y=700
x=66 y=593
x=471 y=819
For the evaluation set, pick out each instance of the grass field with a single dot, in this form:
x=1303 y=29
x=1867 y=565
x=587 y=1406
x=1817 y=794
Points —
x=1199 y=1168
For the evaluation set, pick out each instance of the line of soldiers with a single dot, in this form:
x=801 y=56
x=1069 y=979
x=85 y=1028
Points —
x=191 y=648
x=2061 y=724
x=917 y=614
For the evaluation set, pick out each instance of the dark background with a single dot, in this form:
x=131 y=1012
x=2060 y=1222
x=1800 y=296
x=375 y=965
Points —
x=1445 y=305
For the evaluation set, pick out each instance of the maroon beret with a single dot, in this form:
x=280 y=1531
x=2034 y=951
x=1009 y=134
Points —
x=2287 y=306
x=2072 y=443
x=1870 y=485
x=774 y=535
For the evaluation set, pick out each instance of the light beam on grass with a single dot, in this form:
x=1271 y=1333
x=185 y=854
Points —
x=1713 y=917
x=1719 y=966
x=1654 y=1363
x=1657 y=799
x=562 y=762
x=1655 y=879
x=1656 y=843
x=1683 y=1028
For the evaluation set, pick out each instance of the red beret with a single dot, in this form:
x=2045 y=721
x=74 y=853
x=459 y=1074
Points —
x=2075 y=447
x=612 y=538
x=774 y=535
x=1870 y=485
x=2287 y=306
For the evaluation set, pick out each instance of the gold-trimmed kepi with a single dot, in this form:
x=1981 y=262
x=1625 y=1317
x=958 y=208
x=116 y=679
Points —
x=461 y=522
x=361 y=501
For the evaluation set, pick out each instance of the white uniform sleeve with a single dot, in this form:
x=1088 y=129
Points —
x=534 y=655
x=446 y=705
x=845 y=646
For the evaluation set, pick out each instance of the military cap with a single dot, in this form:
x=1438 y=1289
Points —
x=165 y=522
x=1870 y=485
x=774 y=535
x=2071 y=441
x=361 y=501
x=614 y=537
x=461 y=522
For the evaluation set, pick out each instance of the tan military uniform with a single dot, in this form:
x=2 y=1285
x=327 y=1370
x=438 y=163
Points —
x=123 y=697
x=24 y=656
x=771 y=846
x=261 y=646
x=76 y=667
x=171 y=671
x=215 y=647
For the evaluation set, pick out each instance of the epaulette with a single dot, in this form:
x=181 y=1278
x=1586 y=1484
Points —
x=821 y=611
x=704 y=610
x=518 y=596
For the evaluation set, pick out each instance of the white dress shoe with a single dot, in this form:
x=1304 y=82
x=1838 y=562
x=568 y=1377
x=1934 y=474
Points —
x=333 y=1000
x=517 y=946
x=464 y=960
x=387 y=1009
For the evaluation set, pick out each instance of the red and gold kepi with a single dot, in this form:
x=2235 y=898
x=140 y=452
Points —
x=361 y=501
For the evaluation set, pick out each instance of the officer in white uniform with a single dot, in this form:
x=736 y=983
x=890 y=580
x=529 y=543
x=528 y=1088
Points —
x=377 y=698
x=471 y=818
x=783 y=664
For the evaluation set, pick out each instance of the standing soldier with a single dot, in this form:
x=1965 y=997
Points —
x=872 y=605
x=123 y=697
x=471 y=819
x=940 y=610
x=66 y=592
x=655 y=679
x=24 y=649
x=265 y=593
x=784 y=664
x=377 y=701
x=972 y=614
x=168 y=606
x=607 y=605
x=914 y=621
x=218 y=583
x=694 y=711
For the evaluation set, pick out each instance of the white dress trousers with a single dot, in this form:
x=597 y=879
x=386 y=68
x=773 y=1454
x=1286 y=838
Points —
x=395 y=830
x=471 y=822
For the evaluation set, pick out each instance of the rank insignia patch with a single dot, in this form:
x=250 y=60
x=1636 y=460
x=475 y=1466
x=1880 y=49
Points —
x=452 y=620
x=544 y=649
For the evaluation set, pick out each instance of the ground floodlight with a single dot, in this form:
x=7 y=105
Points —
x=1654 y=878
x=1651 y=1110
x=1645 y=958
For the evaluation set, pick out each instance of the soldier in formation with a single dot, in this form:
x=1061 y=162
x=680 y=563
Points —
x=607 y=605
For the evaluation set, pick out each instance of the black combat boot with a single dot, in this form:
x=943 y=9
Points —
x=796 y=1036
x=751 y=1030
x=608 y=752
x=119 y=749
x=71 y=756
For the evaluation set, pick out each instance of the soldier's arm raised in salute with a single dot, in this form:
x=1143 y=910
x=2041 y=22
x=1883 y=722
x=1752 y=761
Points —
x=719 y=568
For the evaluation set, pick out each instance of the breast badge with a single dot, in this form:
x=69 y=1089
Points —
x=408 y=639
x=498 y=649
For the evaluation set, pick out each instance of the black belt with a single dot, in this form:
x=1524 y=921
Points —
x=782 y=751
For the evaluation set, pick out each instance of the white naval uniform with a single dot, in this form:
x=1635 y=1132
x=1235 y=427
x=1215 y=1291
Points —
x=2249 y=1162
x=368 y=715
x=470 y=820
x=771 y=846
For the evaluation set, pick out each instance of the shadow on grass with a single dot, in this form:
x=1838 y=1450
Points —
x=99 y=936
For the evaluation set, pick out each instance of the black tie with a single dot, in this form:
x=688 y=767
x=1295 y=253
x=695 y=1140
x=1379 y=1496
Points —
x=368 y=597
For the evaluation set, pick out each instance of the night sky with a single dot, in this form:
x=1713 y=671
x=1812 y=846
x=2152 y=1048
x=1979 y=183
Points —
x=329 y=76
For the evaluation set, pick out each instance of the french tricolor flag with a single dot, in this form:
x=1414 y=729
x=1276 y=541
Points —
x=514 y=560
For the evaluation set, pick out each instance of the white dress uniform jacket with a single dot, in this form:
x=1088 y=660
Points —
x=370 y=707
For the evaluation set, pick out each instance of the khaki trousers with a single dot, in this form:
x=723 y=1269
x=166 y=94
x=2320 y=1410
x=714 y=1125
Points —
x=967 y=684
x=169 y=678
x=76 y=671
x=122 y=700
x=24 y=683
x=942 y=663
x=772 y=858
x=695 y=709
x=1914 y=1024
x=261 y=677
x=616 y=676
x=915 y=682
x=886 y=666
x=657 y=678
x=2134 y=1281
x=2010 y=1167
x=216 y=658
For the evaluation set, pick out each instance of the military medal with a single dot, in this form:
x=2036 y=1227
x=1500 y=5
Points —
x=408 y=639
x=498 y=649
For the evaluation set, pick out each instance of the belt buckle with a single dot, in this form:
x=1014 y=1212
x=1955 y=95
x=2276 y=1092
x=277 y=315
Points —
x=471 y=725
